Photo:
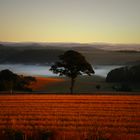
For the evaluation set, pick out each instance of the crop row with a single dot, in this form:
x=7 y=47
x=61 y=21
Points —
x=110 y=114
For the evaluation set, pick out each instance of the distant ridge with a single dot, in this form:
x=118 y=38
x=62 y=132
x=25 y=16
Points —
x=102 y=46
x=47 y=53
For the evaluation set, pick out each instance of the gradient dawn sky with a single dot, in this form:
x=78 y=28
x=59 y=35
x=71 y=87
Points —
x=84 y=21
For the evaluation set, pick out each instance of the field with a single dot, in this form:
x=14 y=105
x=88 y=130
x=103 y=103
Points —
x=77 y=117
x=83 y=84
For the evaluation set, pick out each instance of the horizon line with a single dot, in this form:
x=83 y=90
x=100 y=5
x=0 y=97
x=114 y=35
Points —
x=57 y=42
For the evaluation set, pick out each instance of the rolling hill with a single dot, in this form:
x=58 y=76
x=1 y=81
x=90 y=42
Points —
x=45 y=54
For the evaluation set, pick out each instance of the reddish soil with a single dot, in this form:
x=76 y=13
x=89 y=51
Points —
x=43 y=82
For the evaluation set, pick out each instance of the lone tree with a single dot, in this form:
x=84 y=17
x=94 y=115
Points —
x=72 y=64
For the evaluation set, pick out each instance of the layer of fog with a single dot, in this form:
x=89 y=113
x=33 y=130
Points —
x=37 y=70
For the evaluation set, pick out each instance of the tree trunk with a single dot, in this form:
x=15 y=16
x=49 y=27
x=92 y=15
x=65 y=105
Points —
x=11 y=89
x=72 y=85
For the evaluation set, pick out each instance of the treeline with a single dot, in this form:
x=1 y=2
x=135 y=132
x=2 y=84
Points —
x=10 y=81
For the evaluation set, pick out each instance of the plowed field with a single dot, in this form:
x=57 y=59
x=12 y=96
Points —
x=77 y=117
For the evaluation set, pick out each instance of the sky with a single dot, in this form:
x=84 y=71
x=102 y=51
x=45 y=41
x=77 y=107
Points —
x=83 y=21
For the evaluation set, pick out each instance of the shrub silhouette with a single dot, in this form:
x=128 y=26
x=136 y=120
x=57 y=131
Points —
x=98 y=87
x=11 y=134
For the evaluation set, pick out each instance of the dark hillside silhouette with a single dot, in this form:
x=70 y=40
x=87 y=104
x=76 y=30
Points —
x=47 y=54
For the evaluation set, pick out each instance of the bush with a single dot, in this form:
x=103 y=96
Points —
x=98 y=87
x=11 y=134
x=124 y=75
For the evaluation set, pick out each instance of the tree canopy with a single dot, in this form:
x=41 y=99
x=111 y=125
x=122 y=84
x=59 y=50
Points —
x=11 y=81
x=125 y=74
x=72 y=64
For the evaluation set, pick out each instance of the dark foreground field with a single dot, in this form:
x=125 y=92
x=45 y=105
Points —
x=69 y=117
